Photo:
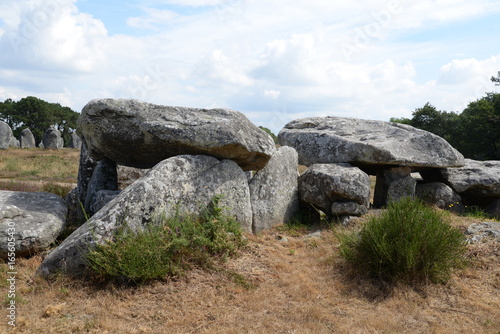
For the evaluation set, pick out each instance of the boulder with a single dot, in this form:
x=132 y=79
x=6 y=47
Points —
x=366 y=143
x=103 y=178
x=476 y=178
x=181 y=184
x=348 y=209
x=75 y=141
x=51 y=139
x=5 y=135
x=274 y=190
x=34 y=219
x=440 y=195
x=323 y=184
x=140 y=134
x=392 y=185
x=27 y=139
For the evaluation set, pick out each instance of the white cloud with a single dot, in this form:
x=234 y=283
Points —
x=272 y=61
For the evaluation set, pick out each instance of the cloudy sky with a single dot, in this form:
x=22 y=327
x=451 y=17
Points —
x=275 y=61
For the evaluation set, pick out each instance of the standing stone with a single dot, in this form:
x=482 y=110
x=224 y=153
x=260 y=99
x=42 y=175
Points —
x=14 y=142
x=5 y=135
x=323 y=184
x=366 y=142
x=27 y=139
x=75 y=141
x=104 y=177
x=274 y=190
x=37 y=220
x=348 y=209
x=85 y=171
x=140 y=134
x=51 y=139
x=493 y=208
x=392 y=185
x=182 y=184
x=60 y=143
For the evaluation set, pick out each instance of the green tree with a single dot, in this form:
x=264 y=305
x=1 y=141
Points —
x=38 y=115
x=270 y=133
x=480 y=127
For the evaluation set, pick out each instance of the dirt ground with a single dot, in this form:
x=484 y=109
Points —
x=282 y=282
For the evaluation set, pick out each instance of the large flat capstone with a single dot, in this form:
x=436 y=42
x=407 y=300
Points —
x=366 y=142
x=140 y=134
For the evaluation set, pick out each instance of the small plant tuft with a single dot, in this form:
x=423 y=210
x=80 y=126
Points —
x=168 y=247
x=409 y=243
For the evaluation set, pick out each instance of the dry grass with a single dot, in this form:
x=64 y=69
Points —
x=297 y=286
x=39 y=164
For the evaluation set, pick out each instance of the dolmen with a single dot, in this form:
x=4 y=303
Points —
x=192 y=155
x=139 y=160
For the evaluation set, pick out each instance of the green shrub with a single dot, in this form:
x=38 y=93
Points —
x=409 y=242
x=168 y=246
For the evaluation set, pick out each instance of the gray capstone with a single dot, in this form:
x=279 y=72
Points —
x=392 y=185
x=5 y=135
x=34 y=219
x=323 y=184
x=274 y=190
x=181 y=184
x=27 y=139
x=366 y=142
x=140 y=134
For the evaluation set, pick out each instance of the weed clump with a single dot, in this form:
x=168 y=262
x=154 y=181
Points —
x=168 y=247
x=409 y=243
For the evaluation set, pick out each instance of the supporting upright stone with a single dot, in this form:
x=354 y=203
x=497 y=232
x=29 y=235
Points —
x=392 y=185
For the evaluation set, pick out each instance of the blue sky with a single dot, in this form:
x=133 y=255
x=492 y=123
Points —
x=275 y=61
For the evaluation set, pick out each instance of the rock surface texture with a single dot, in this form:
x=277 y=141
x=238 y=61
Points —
x=323 y=184
x=392 y=185
x=183 y=183
x=5 y=135
x=476 y=178
x=27 y=139
x=274 y=190
x=140 y=134
x=366 y=142
x=36 y=220
x=440 y=195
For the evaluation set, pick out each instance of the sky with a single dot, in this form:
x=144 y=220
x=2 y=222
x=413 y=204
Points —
x=274 y=61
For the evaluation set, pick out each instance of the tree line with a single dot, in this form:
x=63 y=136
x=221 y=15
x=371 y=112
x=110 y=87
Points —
x=38 y=115
x=475 y=132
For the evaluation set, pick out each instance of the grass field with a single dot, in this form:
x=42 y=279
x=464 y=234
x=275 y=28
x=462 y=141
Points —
x=282 y=282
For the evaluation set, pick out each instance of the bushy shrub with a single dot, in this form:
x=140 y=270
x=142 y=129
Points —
x=168 y=247
x=409 y=242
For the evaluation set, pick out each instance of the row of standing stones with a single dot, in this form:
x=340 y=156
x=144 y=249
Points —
x=139 y=160
x=51 y=139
